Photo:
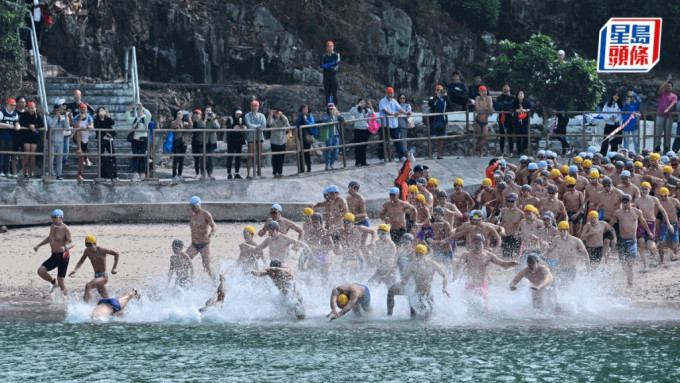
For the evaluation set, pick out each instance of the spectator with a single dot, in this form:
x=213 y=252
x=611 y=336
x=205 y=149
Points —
x=235 y=141
x=139 y=121
x=278 y=139
x=67 y=133
x=457 y=93
x=82 y=122
x=361 y=134
x=483 y=108
x=209 y=122
x=9 y=124
x=254 y=120
x=521 y=116
x=329 y=64
x=305 y=118
x=632 y=104
x=560 y=55
x=57 y=121
x=437 y=104
x=403 y=122
x=30 y=121
x=182 y=124
x=667 y=101
x=390 y=110
x=612 y=122
x=18 y=141
x=504 y=103
x=473 y=91
x=561 y=129
x=103 y=123
x=196 y=142
x=74 y=109
x=332 y=134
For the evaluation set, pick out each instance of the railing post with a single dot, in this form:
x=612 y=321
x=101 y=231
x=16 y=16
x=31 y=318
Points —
x=99 y=153
x=44 y=151
x=154 y=149
x=300 y=148
x=386 y=136
x=429 y=139
x=583 y=132
x=342 y=142
x=258 y=151
x=467 y=129
x=204 y=158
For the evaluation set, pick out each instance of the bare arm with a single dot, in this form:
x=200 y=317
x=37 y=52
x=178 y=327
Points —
x=80 y=263
x=497 y=261
x=115 y=259
x=517 y=278
x=440 y=271
x=547 y=278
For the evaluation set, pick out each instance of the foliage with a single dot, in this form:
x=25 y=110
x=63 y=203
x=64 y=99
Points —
x=11 y=55
x=533 y=67
x=479 y=14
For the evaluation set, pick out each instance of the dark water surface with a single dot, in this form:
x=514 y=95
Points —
x=356 y=351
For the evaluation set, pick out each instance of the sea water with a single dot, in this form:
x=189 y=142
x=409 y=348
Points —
x=597 y=336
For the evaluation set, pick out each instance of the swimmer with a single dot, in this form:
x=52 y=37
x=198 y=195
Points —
x=403 y=261
x=421 y=228
x=97 y=256
x=574 y=203
x=218 y=300
x=347 y=297
x=552 y=204
x=247 y=257
x=357 y=204
x=593 y=235
x=442 y=249
x=385 y=252
x=671 y=205
x=530 y=232
x=284 y=223
x=319 y=241
x=451 y=213
x=476 y=225
x=284 y=281
x=509 y=218
x=651 y=209
x=110 y=306
x=394 y=213
x=461 y=199
x=180 y=266
x=278 y=243
x=59 y=239
x=336 y=208
x=422 y=270
x=540 y=278
x=567 y=250
x=630 y=221
x=351 y=245
x=199 y=224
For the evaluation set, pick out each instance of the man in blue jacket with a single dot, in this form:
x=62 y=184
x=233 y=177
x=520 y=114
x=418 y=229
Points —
x=329 y=64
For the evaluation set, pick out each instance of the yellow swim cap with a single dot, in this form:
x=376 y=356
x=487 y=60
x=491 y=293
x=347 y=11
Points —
x=433 y=181
x=578 y=159
x=308 y=211
x=530 y=208
x=342 y=300
x=384 y=227
x=486 y=182
x=667 y=169
x=564 y=169
x=638 y=164
x=421 y=198
x=348 y=217
x=654 y=157
x=564 y=225
x=249 y=229
x=458 y=181
x=587 y=163
x=570 y=180
x=90 y=239
x=594 y=175
x=646 y=185
x=664 y=191
x=413 y=189
x=593 y=215
x=555 y=173
x=421 y=249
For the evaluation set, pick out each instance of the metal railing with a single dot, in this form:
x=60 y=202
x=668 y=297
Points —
x=131 y=72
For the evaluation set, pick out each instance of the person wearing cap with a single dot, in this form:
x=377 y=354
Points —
x=330 y=61
x=509 y=218
x=390 y=110
x=441 y=229
x=350 y=243
x=248 y=258
x=60 y=243
x=476 y=225
x=28 y=137
x=630 y=220
x=574 y=204
x=218 y=299
x=608 y=200
x=97 y=256
x=57 y=124
x=527 y=197
x=285 y=225
x=9 y=124
x=461 y=199
x=356 y=204
x=671 y=205
x=110 y=306
x=566 y=250
x=476 y=262
x=541 y=280
x=350 y=296
x=451 y=213
x=521 y=109
x=531 y=232
x=320 y=242
x=278 y=243
x=422 y=270
x=593 y=235
x=336 y=207
x=180 y=266
x=489 y=198
x=437 y=104
x=457 y=93
x=666 y=103
x=180 y=125
x=394 y=212
x=284 y=281
x=203 y=229
x=74 y=106
x=650 y=208
x=236 y=126
x=331 y=134
x=278 y=139
x=254 y=121
x=421 y=226
x=211 y=124
x=560 y=55
x=384 y=253
x=82 y=123
x=553 y=204
x=139 y=120
x=483 y=107
x=404 y=257
x=627 y=187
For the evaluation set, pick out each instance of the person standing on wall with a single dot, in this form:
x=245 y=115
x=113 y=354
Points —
x=329 y=64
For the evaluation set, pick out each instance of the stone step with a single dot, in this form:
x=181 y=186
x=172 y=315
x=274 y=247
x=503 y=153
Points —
x=67 y=94
x=97 y=100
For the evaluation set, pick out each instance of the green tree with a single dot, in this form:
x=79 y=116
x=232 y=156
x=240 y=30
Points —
x=11 y=56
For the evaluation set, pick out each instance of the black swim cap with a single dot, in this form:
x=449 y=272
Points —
x=177 y=244
x=275 y=263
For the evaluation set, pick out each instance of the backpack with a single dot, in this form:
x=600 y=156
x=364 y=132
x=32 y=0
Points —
x=373 y=125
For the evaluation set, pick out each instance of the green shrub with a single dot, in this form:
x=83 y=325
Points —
x=11 y=52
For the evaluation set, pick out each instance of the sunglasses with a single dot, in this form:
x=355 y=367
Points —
x=89 y=244
x=11 y=104
x=382 y=232
x=531 y=262
x=274 y=212
x=625 y=200
x=345 y=222
x=510 y=201
x=477 y=243
x=571 y=186
x=56 y=216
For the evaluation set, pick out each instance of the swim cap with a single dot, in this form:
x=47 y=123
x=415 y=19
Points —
x=177 y=244
x=654 y=157
x=512 y=197
x=532 y=257
x=667 y=169
x=555 y=173
x=195 y=201
x=564 y=225
x=530 y=208
x=538 y=181
x=439 y=87
x=276 y=206
x=573 y=169
x=594 y=175
x=441 y=193
x=570 y=181
x=664 y=191
x=433 y=181
x=348 y=217
x=275 y=263
x=30 y=104
x=254 y=103
x=486 y=182
x=413 y=189
x=503 y=163
x=542 y=165
x=384 y=227
x=408 y=236
x=438 y=209
x=481 y=88
x=523 y=158
x=587 y=163
x=90 y=239
x=502 y=185
x=82 y=106
x=552 y=187
x=605 y=161
x=541 y=152
x=333 y=189
x=11 y=101
x=629 y=165
x=342 y=300
x=308 y=211
x=625 y=173
x=638 y=164
x=57 y=213
x=325 y=191
x=421 y=198
x=619 y=164
x=549 y=214
x=578 y=159
x=317 y=216
x=422 y=249
x=458 y=181
x=645 y=185
x=249 y=229
x=606 y=181
x=532 y=166
x=564 y=169
x=510 y=174
x=421 y=181
x=665 y=159
x=273 y=225
x=478 y=237
x=593 y=215
x=394 y=191
x=526 y=188
x=353 y=184
x=389 y=90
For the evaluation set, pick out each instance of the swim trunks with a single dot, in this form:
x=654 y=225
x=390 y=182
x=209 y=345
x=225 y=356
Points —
x=422 y=303
x=552 y=263
x=607 y=234
x=365 y=300
x=395 y=235
x=365 y=222
x=627 y=248
x=594 y=253
x=510 y=246
x=320 y=259
x=580 y=219
x=481 y=124
x=641 y=233
x=425 y=233
x=102 y=274
x=58 y=261
x=111 y=301
x=199 y=246
x=444 y=257
x=665 y=234
x=478 y=289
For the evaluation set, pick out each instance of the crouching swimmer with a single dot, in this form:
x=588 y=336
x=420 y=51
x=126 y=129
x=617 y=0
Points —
x=347 y=297
x=541 y=279
x=284 y=281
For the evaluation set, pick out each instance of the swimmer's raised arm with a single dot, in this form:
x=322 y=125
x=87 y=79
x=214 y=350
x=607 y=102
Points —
x=80 y=263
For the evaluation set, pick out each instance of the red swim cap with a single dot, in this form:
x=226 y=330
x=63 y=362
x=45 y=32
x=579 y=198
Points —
x=254 y=102
x=329 y=43
x=30 y=104
x=82 y=106
x=389 y=89
x=439 y=87
x=11 y=101
x=481 y=88
x=198 y=111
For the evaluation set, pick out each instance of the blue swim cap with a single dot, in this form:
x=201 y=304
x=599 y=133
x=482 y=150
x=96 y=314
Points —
x=590 y=155
x=523 y=158
x=542 y=164
x=503 y=163
x=532 y=166
x=665 y=159
x=541 y=152
x=582 y=154
x=195 y=200
x=573 y=168
x=610 y=154
x=592 y=149
x=276 y=206
x=670 y=153
x=57 y=213
x=333 y=189
x=625 y=173
x=325 y=191
x=394 y=191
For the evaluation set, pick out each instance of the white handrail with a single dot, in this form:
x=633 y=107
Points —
x=131 y=72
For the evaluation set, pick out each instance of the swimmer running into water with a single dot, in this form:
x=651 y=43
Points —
x=110 y=306
x=540 y=278
x=284 y=281
x=97 y=256
x=347 y=297
x=59 y=239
